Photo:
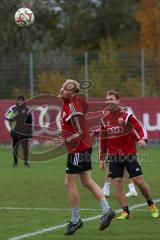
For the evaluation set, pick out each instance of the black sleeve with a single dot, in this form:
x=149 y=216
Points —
x=29 y=119
x=29 y=122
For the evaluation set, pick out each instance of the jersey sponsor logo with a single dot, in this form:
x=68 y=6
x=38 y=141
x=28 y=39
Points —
x=120 y=120
x=115 y=130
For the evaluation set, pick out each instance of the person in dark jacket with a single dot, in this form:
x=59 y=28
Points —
x=21 y=122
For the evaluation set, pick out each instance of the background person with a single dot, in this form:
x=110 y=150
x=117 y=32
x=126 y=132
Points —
x=21 y=123
x=107 y=184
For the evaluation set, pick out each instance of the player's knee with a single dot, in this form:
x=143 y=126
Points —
x=118 y=182
x=68 y=184
x=140 y=183
x=87 y=183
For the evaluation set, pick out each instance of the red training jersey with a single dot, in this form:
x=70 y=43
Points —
x=73 y=123
x=119 y=132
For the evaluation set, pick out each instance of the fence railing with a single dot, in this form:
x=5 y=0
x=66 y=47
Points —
x=132 y=72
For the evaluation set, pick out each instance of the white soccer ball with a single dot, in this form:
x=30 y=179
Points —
x=24 y=17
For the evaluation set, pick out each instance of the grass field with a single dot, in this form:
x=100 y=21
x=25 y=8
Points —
x=34 y=202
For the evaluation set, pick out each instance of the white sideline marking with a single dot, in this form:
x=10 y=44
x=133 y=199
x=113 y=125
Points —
x=27 y=235
x=47 y=209
x=55 y=209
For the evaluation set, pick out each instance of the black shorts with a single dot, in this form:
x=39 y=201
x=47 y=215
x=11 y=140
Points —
x=19 y=136
x=79 y=162
x=117 y=164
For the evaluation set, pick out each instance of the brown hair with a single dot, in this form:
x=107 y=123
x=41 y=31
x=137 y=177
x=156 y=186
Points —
x=114 y=93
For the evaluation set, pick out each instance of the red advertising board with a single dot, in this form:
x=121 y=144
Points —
x=46 y=112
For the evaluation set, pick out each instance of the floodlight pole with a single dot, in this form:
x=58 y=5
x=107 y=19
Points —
x=31 y=75
x=142 y=73
x=86 y=71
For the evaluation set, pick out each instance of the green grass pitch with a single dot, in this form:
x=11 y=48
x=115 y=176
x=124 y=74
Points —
x=35 y=199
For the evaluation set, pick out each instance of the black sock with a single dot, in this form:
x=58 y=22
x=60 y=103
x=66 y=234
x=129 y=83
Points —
x=150 y=202
x=126 y=209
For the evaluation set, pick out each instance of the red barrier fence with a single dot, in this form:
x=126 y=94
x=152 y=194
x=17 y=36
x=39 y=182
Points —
x=46 y=110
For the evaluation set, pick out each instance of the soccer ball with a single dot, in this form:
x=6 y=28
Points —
x=24 y=17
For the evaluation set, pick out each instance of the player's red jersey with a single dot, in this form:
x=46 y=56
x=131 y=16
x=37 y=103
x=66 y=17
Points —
x=119 y=132
x=74 y=127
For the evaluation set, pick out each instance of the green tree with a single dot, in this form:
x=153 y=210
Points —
x=85 y=23
x=77 y=21
x=71 y=24
x=54 y=82
x=108 y=71
x=105 y=72
x=115 y=20
x=38 y=37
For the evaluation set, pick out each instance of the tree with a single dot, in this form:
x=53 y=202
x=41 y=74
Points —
x=15 y=39
x=85 y=23
x=77 y=22
x=115 y=20
x=54 y=82
x=148 y=17
x=71 y=24
x=105 y=72
x=113 y=69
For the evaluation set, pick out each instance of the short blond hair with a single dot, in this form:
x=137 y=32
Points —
x=76 y=84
